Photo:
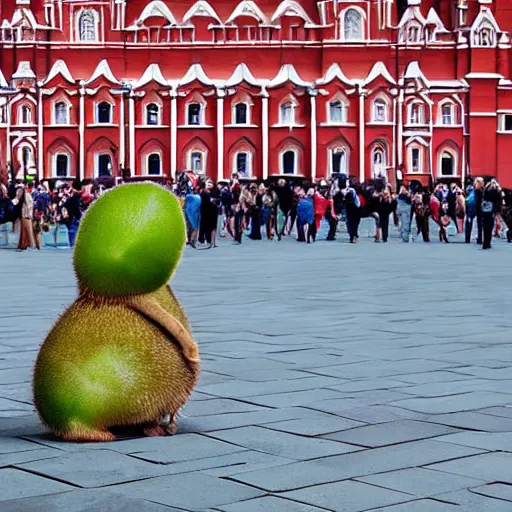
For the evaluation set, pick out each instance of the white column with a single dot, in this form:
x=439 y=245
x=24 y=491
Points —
x=122 y=142
x=264 y=136
x=174 y=134
x=220 y=135
x=313 y=134
x=131 y=127
x=40 y=152
x=400 y=141
x=430 y=148
x=393 y=149
x=8 y=149
x=81 y=134
x=361 y=135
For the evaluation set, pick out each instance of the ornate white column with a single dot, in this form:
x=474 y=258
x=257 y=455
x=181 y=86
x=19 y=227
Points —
x=81 y=134
x=174 y=133
x=220 y=134
x=40 y=152
x=361 y=134
x=122 y=142
x=313 y=93
x=399 y=127
x=264 y=135
x=131 y=133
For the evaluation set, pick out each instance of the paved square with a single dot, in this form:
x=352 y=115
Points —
x=334 y=377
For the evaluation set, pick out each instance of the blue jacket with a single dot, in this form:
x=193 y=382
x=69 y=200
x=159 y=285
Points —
x=305 y=210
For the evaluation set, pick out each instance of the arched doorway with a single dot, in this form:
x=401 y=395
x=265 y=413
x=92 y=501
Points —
x=447 y=164
x=104 y=165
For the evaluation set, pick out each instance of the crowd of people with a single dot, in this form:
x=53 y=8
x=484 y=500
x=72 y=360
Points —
x=282 y=208
x=277 y=209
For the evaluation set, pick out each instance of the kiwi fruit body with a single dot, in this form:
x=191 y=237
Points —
x=122 y=354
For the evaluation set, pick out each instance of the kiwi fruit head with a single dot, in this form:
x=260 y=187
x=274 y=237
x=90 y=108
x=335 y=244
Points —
x=129 y=241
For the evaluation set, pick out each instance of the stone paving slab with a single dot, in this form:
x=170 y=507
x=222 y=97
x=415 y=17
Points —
x=329 y=374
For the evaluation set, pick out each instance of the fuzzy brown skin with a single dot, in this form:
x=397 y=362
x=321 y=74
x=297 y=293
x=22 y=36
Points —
x=104 y=364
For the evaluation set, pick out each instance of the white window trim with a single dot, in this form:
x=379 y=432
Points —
x=475 y=35
x=404 y=34
x=96 y=113
x=293 y=117
x=384 y=159
x=296 y=161
x=249 y=161
x=20 y=115
x=421 y=159
x=336 y=150
x=453 y=112
x=248 y=115
x=344 y=110
x=380 y=99
x=159 y=114
x=202 y=113
x=146 y=163
x=96 y=15
x=204 y=157
x=341 y=18
x=421 y=113
x=54 y=163
x=501 y=125
x=454 y=154
x=54 y=113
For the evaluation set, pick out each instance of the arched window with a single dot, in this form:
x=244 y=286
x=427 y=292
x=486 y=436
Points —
x=243 y=164
x=87 y=26
x=154 y=167
x=104 y=113
x=194 y=114
x=338 y=160
x=152 y=111
x=447 y=164
x=61 y=165
x=413 y=33
x=415 y=159
x=103 y=165
x=289 y=162
x=380 y=111
x=197 y=162
x=337 y=112
x=484 y=36
x=446 y=113
x=353 y=25
x=61 y=113
x=241 y=111
x=379 y=162
x=416 y=113
x=287 y=113
x=26 y=115
x=26 y=154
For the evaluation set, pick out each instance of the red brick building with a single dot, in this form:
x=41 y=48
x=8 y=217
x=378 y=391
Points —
x=264 y=87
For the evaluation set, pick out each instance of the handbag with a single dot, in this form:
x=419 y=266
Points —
x=487 y=207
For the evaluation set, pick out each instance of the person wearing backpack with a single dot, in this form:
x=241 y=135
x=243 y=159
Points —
x=353 y=217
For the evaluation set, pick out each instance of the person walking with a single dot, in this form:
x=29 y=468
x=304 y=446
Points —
x=385 y=207
x=421 y=212
x=352 y=212
x=404 y=209
x=25 y=204
x=491 y=204
x=192 y=209
x=479 y=185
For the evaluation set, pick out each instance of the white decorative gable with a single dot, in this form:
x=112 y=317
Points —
x=332 y=73
x=413 y=72
x=102 y=70
x=24 y=71
x=201 y=8
x=288 y=73
x=291 y=8
x=379 y=69
x=152 y=74
x=59 y=68
x=242 y=74
x=247 y=8
x=196 y=72
x=156 y=8
x=434 y=19
x=485 y=29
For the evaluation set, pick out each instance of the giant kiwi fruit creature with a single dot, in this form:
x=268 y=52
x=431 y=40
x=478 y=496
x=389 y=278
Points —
x=122 y=354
